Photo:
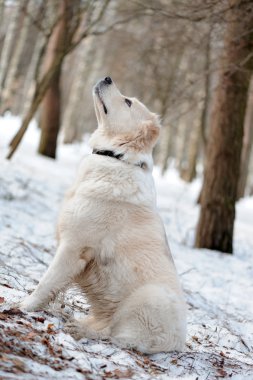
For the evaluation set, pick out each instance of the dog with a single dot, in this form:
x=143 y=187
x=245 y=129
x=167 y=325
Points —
x=112 y=242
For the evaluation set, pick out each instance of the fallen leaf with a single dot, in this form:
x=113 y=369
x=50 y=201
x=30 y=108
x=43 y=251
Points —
x=48 y=344
x=146 y=360
x=124 y=374
x=18 y=364
x=120 y=374
x=2 y=300
x=50 y=327
x=31 y=335
x=222 y=373
x=39 y=319
x=13 y=311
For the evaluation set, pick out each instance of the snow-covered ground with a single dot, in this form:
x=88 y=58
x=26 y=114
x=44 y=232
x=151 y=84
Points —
x=218 y=287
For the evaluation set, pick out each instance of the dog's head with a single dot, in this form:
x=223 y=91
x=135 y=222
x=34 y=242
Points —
x=124 y=120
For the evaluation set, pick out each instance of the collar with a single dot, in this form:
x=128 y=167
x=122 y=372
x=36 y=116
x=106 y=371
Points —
x=118 y=156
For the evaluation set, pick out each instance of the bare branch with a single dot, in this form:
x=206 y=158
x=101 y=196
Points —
x=118 y=22
x=85 y=33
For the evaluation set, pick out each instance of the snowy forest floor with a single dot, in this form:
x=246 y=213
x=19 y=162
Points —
x=218 y=287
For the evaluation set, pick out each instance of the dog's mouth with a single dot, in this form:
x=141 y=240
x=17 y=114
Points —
x=99 y=89
x=99 y=96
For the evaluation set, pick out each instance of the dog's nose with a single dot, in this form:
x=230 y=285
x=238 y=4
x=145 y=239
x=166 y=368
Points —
x=108 y=80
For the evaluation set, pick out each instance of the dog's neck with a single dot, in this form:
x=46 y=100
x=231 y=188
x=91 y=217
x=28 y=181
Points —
x=101 y=144
x=119 y=156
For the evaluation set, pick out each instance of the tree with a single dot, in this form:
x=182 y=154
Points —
x=247 y=144
x=86 y=20
x=188 y=171
x=85 y=62
x=9 y=82
x=1 y=10
x=8 y=42
x=216 y=222
x=50 y=112
x=75 y=36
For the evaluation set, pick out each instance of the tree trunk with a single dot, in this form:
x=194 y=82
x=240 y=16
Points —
x=50 y=118
x=9 y=84
x=189 y=173
x=216 y=222
x=166 y=140
x=184 y=133
x=85 y=59
x=207 y=87
x=1 y=11
x=247 y=144
x=7 y=45
x=165 y=147
x=37 y=98
x=29 y=82
x=43 y=84
x=50 y=112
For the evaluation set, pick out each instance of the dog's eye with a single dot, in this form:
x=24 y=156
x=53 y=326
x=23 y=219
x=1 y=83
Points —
x=128 y=102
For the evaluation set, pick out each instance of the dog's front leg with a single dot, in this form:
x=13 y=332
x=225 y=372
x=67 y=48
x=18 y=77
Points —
x=68 y=262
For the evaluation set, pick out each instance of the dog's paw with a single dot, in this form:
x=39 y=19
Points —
x=74 y=328
x=29 y=304
x=10 y=305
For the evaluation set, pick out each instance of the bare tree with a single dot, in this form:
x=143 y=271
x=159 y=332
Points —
x=50 y=111
x=216 y=222
x=75 y=36
x=29 y=80
x=9 y=83
x=188 y=171
x=2 y=4
x=8 y=43
x=84 y=64
x=207 y=85
x=247 y=144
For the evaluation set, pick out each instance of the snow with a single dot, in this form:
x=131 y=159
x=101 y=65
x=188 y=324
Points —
x=218 y=287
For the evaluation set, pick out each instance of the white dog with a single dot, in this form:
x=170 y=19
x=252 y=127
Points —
x=112 y=242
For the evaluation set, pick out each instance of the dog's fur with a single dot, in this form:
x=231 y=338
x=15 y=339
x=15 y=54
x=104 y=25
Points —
x=112 y=241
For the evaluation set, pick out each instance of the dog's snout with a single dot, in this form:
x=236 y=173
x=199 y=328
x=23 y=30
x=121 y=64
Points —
x=108 y=80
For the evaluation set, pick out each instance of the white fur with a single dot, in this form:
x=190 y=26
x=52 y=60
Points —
x=112 y=242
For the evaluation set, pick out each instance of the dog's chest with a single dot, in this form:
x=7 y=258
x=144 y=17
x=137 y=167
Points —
x=112 y=180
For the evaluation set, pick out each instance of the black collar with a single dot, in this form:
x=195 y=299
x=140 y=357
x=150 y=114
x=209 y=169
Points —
x=109 y=153
x=118 y=156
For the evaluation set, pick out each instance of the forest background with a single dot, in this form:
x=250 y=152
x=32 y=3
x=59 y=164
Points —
x=189 y=61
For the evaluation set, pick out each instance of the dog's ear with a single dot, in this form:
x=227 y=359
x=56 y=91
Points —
x=144 y=137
